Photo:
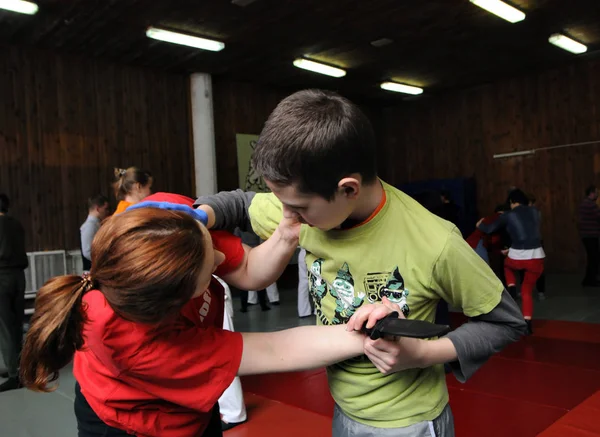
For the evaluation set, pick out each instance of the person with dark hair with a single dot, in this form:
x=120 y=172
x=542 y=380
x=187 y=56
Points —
x=366 y=241
x=522 y=223
x=131 y=185
x=144 y=328
x=589 y=230
x=98 y=210
x=13 y=262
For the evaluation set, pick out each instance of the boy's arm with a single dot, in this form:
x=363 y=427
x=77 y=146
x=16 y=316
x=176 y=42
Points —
x=462 y=278
x=257 y=212
x=486 y=335
x=227 y=210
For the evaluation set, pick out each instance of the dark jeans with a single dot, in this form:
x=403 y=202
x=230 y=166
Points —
x=90 y=425
x=12 y=313
x=592 y=251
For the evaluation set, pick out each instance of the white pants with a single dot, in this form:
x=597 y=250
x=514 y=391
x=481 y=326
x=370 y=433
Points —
x=231 y=402
x=304 y=308
x=272 y=294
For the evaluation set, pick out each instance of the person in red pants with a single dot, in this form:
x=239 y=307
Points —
x=522 y=223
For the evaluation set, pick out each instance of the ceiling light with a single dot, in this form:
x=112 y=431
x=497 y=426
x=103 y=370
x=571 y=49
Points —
x=183 y=39
x=19 y=6
x=500 y=9
x=319 y=68
x=400 y=88
x=566 y=43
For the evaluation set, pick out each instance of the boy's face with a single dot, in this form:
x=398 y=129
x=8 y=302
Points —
x=103 y=211
x=313 y=209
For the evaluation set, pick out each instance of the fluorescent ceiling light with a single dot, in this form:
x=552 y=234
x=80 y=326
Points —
x=566 y=43
x=400 y=88
x=319 y=68
x=500 y=9
x=19 y=6
x=183 y=39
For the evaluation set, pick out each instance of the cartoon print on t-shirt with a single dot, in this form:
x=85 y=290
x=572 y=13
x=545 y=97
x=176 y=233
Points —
x=394 y=290
x=347 y=299
x=342 y=289
x=317 y=285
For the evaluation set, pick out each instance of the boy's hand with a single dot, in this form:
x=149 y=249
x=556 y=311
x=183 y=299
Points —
x=371 y=314
x=389 y=355
x=394 y=354
x=289 y=228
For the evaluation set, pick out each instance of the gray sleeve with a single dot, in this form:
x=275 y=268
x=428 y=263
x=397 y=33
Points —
x=231 y=209
x=486 y=335
x=88 y=231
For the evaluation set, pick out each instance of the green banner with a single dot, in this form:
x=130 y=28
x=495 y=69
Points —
x=248 y=178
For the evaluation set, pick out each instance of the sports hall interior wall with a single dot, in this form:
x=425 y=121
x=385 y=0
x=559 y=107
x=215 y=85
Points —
x=65 y=122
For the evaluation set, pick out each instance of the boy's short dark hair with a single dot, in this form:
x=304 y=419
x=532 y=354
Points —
x=4 y=203
x=313 y=139
x=590 y=189
x=518 y=196
x=98 y=200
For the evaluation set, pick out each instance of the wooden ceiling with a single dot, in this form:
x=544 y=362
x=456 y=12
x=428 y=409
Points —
x=437 y=44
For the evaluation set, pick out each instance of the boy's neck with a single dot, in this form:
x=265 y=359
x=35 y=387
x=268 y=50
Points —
x=368 y=201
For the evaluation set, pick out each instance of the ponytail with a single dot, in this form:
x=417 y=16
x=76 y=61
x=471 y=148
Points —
x=56 y=331
x=125 y=179
x=117 y=185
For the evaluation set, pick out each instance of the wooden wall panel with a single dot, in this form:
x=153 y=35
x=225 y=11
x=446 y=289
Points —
x=65 y=123
x=456 y=135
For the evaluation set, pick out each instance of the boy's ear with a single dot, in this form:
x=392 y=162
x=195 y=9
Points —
x=350 y=186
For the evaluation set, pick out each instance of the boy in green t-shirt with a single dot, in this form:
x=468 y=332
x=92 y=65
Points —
x=366 y=240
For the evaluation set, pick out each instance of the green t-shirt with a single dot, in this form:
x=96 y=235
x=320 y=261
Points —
x=415 y=259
